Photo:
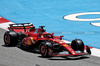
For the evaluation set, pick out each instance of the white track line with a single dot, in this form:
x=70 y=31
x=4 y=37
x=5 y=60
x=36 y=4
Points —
x=74 y=17
x=95 y=52
x=5 y=25
x=66 y=41
x=95 y=24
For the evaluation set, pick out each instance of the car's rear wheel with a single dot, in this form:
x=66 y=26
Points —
x=77 y=44
x=10 y=38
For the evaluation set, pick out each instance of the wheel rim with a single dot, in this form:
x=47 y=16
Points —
x=43 y=49
x=6 y=38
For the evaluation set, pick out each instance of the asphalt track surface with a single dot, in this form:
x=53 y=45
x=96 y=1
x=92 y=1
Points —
x=13 y=56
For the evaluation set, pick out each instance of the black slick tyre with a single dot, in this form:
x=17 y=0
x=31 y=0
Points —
x=10 y=38
x=77 y=44
x=43 y=49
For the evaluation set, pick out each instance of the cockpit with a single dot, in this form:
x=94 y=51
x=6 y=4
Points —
x=48 y=35
x=37 y=30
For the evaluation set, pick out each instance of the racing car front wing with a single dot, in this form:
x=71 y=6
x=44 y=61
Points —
x=77 y=53
x=67 y=54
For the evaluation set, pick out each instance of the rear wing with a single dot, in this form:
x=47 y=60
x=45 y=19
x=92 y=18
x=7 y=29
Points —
x=20 y=26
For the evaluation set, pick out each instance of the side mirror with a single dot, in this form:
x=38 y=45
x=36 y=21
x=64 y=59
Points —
x=61 y=37
x=52 y=33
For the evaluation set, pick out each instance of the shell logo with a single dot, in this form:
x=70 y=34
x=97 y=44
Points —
x=65 y=45
x=29 y=42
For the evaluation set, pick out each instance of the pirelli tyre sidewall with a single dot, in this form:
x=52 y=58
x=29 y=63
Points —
x=10 y=38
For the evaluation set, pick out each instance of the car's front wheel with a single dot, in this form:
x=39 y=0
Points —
x=77 y=44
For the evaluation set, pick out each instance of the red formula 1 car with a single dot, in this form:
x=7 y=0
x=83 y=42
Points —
x=26 y=35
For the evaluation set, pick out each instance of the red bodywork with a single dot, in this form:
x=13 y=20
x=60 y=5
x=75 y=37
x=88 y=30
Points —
x=37 y=34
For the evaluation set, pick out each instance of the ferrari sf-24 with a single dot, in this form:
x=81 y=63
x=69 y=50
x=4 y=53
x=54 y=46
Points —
x=27 y=36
